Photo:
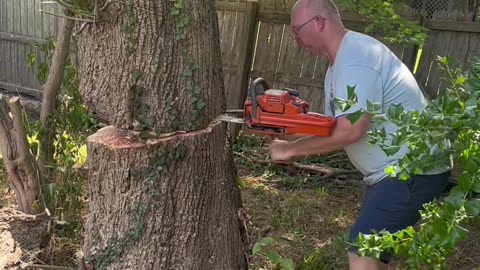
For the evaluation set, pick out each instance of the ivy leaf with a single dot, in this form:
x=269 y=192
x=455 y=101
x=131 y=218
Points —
x=200 y=105
x=185 y=20
x=373 y=107
x=178 y=5
x=343 y=105
x=391 y=150
x=404 y=175
x=353 y=117
x=136 y=74
x=196 y=89
x=188 y=73
x=395 y=111
x=390 y=171
x=174 y=12
x=195 y=66
x=351 y=93
x=180 y=36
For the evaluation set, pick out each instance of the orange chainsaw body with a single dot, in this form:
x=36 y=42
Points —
x=282 y=112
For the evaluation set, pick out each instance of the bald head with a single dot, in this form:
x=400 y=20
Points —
x=325 y=8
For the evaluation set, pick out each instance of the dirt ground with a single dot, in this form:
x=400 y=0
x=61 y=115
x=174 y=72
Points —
x=306 y=208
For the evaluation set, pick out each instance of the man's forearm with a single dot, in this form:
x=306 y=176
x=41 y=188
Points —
x=314 y=145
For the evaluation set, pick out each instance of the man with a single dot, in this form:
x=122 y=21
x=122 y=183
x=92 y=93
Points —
x=378 y=76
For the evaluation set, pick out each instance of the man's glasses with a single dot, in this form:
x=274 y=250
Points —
x=296 y=29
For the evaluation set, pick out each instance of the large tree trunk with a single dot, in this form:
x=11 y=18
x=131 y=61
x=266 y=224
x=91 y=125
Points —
x=18 y=160
x=169 y=202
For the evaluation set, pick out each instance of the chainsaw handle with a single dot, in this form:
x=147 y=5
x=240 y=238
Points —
x=253 y=93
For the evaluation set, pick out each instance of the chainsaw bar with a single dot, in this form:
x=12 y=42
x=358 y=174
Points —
x=232 y=116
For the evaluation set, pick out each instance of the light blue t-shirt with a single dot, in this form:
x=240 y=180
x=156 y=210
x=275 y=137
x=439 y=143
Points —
x=380 y=77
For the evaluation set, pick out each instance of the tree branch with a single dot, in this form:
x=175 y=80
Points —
x=51 y=89
x=69 y=17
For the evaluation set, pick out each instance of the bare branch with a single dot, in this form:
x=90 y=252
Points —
x=71 y=18
x=79 y=31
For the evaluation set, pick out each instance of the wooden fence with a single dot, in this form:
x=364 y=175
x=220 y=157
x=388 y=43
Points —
x=21 y=24
x=255 y=42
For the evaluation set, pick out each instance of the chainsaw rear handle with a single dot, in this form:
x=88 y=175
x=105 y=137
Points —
x=253 y=93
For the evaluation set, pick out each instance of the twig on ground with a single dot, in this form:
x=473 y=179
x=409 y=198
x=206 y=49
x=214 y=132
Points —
x=328 y=171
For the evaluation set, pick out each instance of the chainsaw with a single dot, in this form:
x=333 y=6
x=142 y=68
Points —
x=278 y=112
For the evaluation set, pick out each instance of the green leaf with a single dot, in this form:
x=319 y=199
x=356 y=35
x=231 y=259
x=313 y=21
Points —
x=136 y=74
x=200 y=105
x=273 y=256
x=351 y=93
x=391 y=150
x=195 y=66
x=455 y=200
x=390 y=171
x=472 y=207
x=186 y=20
x=286 y=264
x=456 y=234
x=180 y=36
x=442 y=60
x=188 y=73
x=395 y=111
x=353 y=117
x=404 y=175
x=476 y=186
x=174 y=12
x=256 y=248
x=341 y=104
x=266 y=241
x=196 y=89
x=464 y=183
x=178 y=4
x=373 y=107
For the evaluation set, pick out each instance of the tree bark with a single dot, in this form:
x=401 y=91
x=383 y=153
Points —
x=171 y=201
x=50 y=92
x=140 y=40
x=168 y=203
x=18 y=160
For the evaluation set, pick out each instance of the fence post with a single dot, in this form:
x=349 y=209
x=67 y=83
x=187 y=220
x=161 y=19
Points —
x=246 y=55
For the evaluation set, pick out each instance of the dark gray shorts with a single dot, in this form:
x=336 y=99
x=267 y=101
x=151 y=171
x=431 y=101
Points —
x=393 y=204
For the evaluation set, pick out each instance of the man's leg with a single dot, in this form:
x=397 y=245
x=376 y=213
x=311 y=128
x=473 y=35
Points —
x=392 y=205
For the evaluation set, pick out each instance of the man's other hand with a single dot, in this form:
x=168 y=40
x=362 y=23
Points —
x=280 y=151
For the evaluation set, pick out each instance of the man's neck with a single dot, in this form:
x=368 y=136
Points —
x=335 y=44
